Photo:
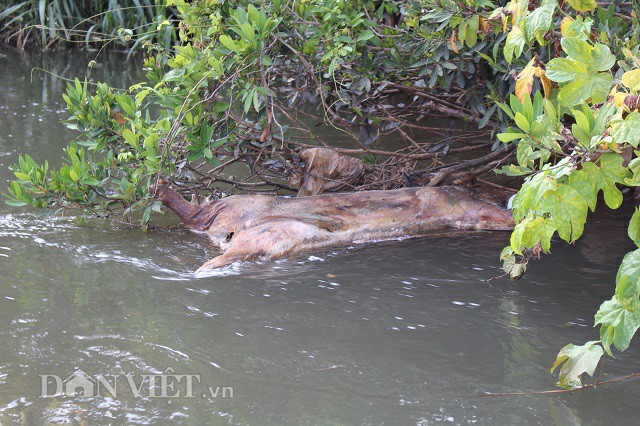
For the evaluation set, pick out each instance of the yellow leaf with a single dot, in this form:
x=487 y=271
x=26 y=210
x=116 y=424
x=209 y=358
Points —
x=564 y=25
x=518 y=8
x=631 y=80
x=546 y=83
x=524 y=83
x=583 y=5
x=619 y=98
x=74 y=176
x=484 y=24
x=452 y=42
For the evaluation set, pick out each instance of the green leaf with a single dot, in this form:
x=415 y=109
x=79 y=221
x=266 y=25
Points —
x=628 y=131
x=531 y=232
x=577 y=360
x=539 y=22
x=514 y=45
x=531 y=192
x=509 y=137
x=22 y=176
x=617 y=324
x=229 y=43
x=90 y=182
x=605 y=177
x=628 y=280
x=585 y=87
x=522 y=122
x=585 y=185
x=634 y=227
x=568 y=210
x=74 y=176
x=220 y=107
x=206 y=132
x=583 y=70
x=15 y=203
x=146 y=216
x=471 y=34
x=365 y=35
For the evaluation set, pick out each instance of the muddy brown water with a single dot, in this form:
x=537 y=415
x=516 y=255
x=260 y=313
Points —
x=393 y=333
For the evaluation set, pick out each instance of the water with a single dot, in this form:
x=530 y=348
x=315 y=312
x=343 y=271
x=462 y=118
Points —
x=397 y=333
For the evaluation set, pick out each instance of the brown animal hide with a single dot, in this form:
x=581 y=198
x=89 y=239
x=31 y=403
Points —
x=325 y=170
x=250 y=227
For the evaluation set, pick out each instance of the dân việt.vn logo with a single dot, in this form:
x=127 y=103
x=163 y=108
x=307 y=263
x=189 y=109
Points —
x=166 y=385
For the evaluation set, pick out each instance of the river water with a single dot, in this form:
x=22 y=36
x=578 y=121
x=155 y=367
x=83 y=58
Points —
x=396 y=333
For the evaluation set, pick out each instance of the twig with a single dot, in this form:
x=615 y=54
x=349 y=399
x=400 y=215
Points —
x=556 y=391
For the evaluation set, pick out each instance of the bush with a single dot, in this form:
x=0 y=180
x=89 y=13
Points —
x=94 y=23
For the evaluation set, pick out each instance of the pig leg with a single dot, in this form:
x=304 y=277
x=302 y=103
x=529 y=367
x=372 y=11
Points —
x=271 y=240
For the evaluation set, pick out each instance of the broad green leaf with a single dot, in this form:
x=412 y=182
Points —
x=577 y=49
x=568 y=211
x=628 y=280
x=562 y=70
x=628 y=131
x=532 y=192
x=601 y=55
x=586 y=86
x=585 y=184
x=531 y=232
x=605 y=177
x=577 y=360
x=612 y=172
x=617 y=324
x=583 y=70
x=539 y=22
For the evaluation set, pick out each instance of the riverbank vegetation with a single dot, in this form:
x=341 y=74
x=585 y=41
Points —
x=549 y=91
x=90 y=24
